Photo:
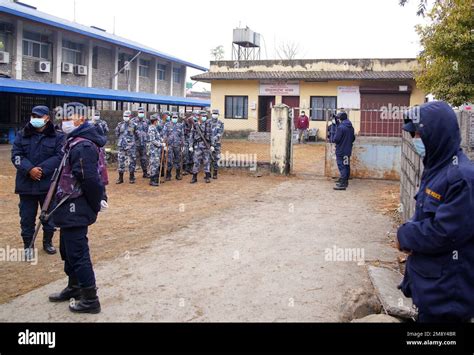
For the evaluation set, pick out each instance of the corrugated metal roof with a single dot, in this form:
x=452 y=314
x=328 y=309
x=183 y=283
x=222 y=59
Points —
x=305 y=75
x=41 y=17
x=48 y=89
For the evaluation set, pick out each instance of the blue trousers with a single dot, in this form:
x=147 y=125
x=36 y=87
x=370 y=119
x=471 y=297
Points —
x=29 y=205
x=74 y=249
x=344 y=166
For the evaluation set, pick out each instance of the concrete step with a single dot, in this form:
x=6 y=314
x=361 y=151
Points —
x=386 y=283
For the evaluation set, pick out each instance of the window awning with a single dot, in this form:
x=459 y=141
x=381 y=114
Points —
x=38 y=88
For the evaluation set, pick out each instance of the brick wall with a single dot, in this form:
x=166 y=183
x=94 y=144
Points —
x=29 y=71
x=102 y=76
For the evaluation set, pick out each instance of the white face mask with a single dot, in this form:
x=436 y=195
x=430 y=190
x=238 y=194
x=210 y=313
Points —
x=68 y=126
x=215 y=116
x=126 y=118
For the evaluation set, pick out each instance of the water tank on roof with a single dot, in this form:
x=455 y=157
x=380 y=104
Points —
x=245 y=37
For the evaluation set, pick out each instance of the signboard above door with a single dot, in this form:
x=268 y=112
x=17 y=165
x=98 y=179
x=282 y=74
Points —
x=348 y=97
x=279 y=88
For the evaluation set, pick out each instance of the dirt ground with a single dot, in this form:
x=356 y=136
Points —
x=308 y=158
x=180 y=224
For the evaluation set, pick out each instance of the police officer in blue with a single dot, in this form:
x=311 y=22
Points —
x=439 y=274
x=344 y=139
x=36 y=153
x=81 y=184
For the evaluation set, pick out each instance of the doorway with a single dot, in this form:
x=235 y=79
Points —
x=292 y=102
x=265 y=104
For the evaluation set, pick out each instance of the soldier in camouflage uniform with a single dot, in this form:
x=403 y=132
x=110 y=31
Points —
x=126 y=133
x=217 y=133
x=142 y=138
x=100 y=124
x=201 y=147
x=188 y=156
x=173 y=135
x=155 y=147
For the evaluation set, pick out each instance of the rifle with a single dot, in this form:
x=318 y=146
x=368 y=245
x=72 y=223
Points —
x=161 y=164
x=208 y=146
x=44 y=215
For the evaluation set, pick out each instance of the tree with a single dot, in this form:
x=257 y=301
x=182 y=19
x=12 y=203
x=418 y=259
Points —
x=447 y=58
x=218 y=53
x=288 y=50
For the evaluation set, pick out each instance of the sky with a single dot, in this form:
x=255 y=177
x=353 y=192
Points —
x=189 y=29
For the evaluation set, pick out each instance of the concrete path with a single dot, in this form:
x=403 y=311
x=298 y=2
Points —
x=264 y=261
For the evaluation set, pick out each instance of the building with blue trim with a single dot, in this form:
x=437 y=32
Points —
x=46 y=60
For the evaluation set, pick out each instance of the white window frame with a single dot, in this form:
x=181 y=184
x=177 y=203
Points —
x=176 y=71
x=30 y=47
x=161 y=69
x=143 y=67
x=76 y=52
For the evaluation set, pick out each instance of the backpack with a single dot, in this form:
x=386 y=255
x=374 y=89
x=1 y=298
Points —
x=67 y=185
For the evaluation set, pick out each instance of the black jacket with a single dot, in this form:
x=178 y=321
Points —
x=83 y=158
x=36 y=149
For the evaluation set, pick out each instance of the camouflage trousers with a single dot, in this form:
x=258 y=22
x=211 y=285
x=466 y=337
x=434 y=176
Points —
x=188 y=156
x=154 y=160
x=202 y=155
x=141 y=152
x=124 y=156
x=174 y=158
x=216 y=156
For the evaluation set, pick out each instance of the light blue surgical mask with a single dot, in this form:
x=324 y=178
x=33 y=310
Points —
x=37 y=122
x=141 y=115
x=68 y=126
x=419 y=147
x=174 y=120
x=195 y=119
x=204 y=119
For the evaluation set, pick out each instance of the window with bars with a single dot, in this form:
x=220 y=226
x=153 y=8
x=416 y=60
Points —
x=72 y=52
x=236 y=107
x=36 y=45
x=144 y=68
x=322 y=107
x=161 y=71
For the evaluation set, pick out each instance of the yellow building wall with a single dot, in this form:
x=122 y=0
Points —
x=251 y=88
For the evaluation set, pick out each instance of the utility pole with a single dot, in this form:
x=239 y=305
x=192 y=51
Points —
x=74 y=10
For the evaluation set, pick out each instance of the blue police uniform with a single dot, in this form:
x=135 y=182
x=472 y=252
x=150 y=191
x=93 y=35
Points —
x=76 y=215
x=439 y=273
x=31 y=149
x=344 y=139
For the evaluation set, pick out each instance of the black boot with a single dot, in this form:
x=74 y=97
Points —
x=145 y=174
x=120 y=179
x=207 y=178
x=195 y=179
x=71 y=291
x=178 y=174
x=132 y=178
x=89 y=302
x=154 y=180
x=29 y=250
x=168 y=175
x=48 y=243
x=186 y=170
x=342 y=186
x=214 y=176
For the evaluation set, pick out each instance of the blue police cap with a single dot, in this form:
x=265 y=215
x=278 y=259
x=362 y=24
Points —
x=40 y=110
